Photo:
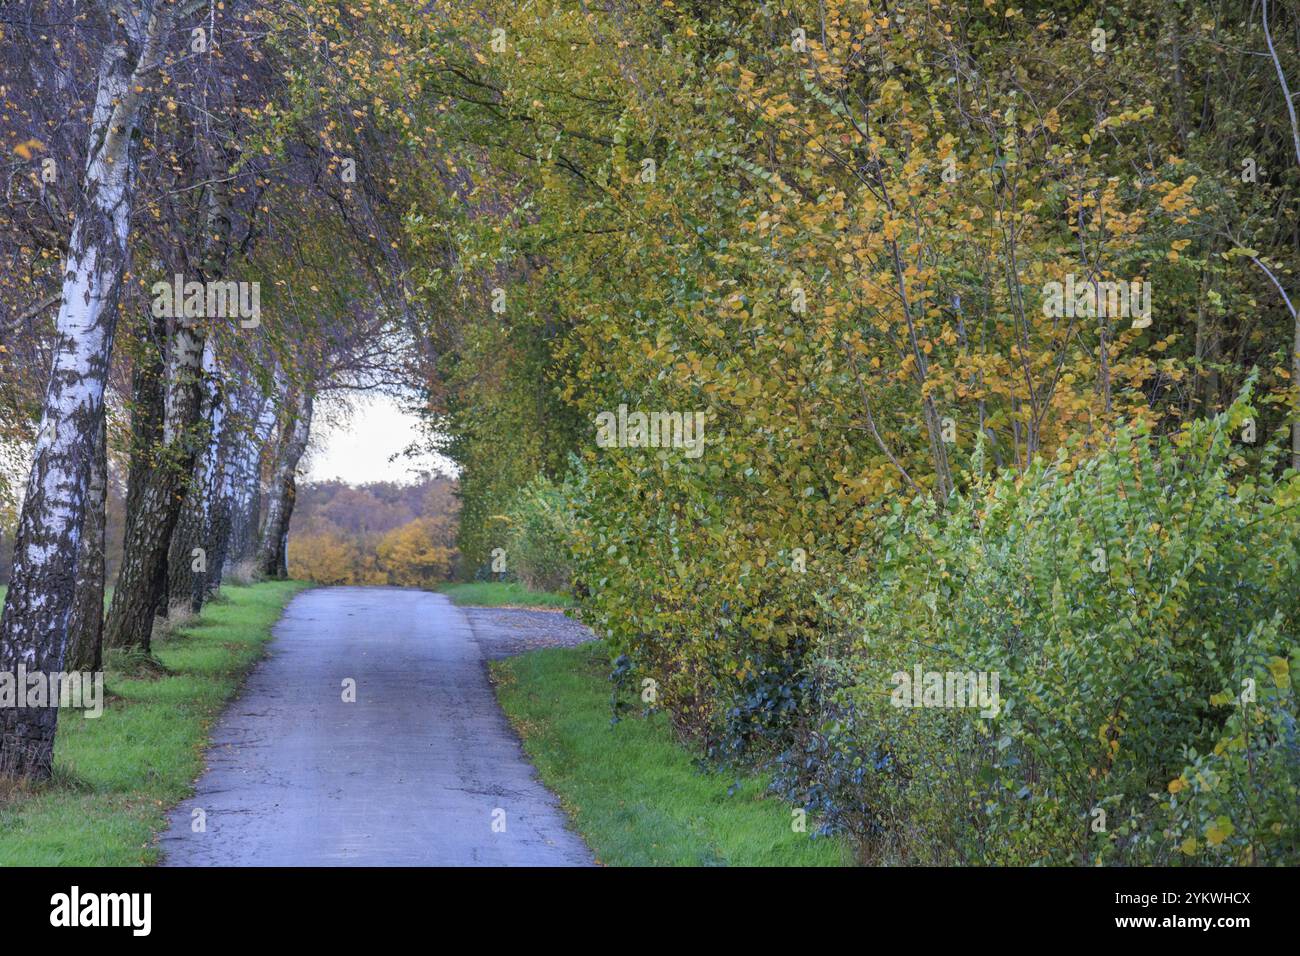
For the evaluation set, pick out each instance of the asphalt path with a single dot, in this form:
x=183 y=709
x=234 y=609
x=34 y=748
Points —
x=420 y=769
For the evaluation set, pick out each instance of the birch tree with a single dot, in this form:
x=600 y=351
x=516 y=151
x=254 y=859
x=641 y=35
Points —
x=295 y=429
x=34 y=629
x=86 y=625
x=141 y=585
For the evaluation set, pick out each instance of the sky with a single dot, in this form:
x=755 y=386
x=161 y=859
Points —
x=356 y=446
x=352 y=446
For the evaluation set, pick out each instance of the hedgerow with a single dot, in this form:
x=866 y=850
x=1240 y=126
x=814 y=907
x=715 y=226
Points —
x=1140 y=612
x=843 y=236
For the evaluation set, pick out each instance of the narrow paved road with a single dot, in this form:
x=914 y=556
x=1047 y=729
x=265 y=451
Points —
x=422 y=769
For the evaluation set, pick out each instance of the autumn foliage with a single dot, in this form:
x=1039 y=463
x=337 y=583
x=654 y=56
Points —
x=988 y=310
x=890 y=252
x=377 y=534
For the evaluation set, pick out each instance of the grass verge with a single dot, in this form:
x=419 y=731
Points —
x=633 y=793
x=115 y=777
x=502 y=594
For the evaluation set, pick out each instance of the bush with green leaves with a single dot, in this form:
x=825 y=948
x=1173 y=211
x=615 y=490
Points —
x=1239 y=803
x=539 y=529
x=1140 y=612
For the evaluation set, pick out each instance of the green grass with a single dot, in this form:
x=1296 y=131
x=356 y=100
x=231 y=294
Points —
x=116 y=776
x=502 y=594
x=633 y=793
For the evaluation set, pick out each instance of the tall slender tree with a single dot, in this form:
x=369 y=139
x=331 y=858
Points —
x=38 y=605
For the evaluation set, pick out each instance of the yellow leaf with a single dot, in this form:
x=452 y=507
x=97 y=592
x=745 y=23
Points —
x=1218 y=831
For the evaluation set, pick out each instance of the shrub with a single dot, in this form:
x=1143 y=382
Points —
x=1121 y=604
x=705 y=576
x=1252 y=774
x=539 y=530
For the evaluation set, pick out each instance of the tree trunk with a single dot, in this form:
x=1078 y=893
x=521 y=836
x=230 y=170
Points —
x=272 y=555
x=42 y=587
x=218 y=537
x=246 y=498
x=188 y=552
x=186 y=548
x=147 y=388
x=86 y=624
x=221 y=495
x=201 y=505
x=142 y=585
x=142 y=581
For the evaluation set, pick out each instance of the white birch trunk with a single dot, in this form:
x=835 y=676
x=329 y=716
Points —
x=34 y=629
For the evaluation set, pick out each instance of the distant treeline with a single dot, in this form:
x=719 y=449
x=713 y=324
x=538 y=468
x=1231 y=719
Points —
x=377 y=533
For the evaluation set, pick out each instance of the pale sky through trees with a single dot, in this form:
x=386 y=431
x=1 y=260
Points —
x=356 y=447
x=352 y=447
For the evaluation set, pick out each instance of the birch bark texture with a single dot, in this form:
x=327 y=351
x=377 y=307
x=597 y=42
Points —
x=142 y=590
x=42 y=587
x=295 y=430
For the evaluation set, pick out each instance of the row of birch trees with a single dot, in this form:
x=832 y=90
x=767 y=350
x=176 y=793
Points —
x=149 y=146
